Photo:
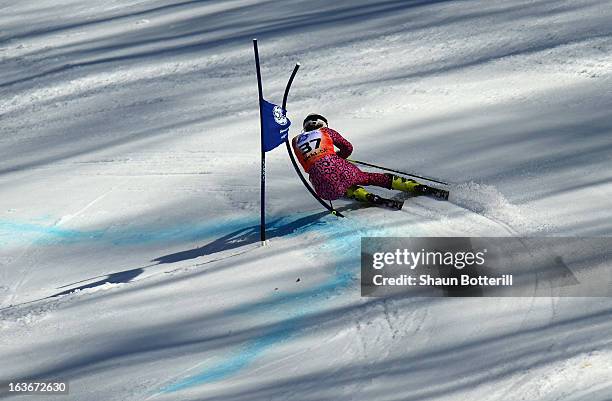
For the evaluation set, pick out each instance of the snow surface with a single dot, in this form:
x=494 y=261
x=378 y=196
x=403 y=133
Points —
x=129 y=196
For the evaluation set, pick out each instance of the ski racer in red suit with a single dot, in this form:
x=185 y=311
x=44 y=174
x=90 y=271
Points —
x=330 y=174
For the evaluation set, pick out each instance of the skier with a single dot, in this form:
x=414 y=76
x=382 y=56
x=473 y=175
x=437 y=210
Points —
x=332 y=176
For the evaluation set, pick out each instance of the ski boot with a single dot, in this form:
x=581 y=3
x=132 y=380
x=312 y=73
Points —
x=360 y=194
x=411 y=186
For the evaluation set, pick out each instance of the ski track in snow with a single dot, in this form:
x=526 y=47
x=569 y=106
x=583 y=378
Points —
x=487 y=201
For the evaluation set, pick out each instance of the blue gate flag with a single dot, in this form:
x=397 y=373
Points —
x=275 y=125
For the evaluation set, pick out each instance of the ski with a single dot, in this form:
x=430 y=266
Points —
x=385 y=202
x=433 y=192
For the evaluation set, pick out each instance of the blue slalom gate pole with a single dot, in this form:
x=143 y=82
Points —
x=262 y=227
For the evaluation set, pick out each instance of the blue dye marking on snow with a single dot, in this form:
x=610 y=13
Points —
x=19 y=233
x=14 y=232
x=340 y=238
x=237 y=361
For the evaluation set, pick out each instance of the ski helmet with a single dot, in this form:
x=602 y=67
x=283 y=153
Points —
x=314 y=121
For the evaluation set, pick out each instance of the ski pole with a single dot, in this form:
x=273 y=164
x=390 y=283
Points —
x=397 y=171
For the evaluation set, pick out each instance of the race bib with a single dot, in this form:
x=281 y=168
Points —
x=311 y=146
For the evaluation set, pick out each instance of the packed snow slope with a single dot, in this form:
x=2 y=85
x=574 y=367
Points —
x=129 y=196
